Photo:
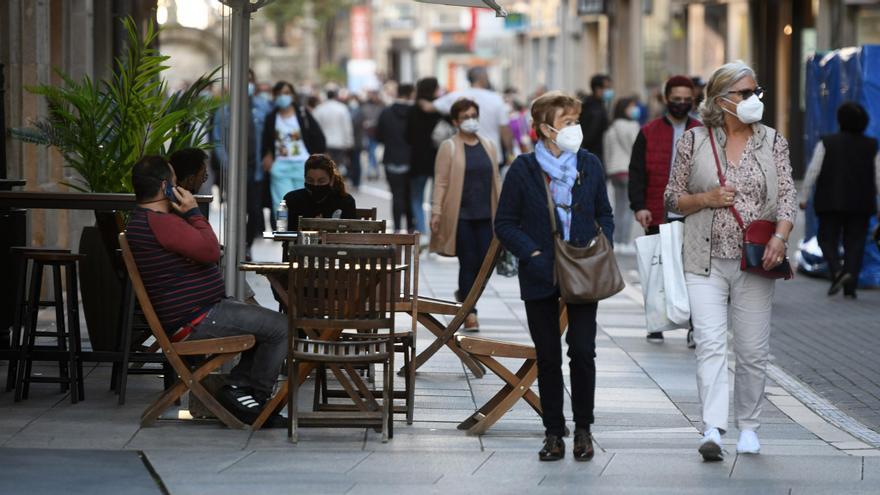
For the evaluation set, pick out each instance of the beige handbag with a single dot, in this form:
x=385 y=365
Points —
x=584 y=274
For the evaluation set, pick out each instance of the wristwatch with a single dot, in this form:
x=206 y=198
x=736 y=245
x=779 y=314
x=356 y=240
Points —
x=781 y=238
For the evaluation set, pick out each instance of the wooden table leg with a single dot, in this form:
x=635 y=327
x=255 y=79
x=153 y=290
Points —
x=517 y=386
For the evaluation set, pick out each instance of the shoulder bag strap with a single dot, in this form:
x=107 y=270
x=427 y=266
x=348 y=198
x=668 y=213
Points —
x=721 y=181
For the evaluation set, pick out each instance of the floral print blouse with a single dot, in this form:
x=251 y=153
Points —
x=751 y=190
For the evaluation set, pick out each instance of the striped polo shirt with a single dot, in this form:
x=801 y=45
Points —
x=177 y=258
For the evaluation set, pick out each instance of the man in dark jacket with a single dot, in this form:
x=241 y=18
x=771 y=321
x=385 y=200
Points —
x=594 y=114
x=391 y=132
x=846 y=171
x=652 y=157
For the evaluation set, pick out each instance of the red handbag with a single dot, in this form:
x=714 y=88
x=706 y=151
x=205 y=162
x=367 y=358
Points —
x=755 y=237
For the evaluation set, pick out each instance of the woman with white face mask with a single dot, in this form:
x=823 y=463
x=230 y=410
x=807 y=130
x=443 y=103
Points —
x=753 y=161
x=466 y=188
x=576 y=184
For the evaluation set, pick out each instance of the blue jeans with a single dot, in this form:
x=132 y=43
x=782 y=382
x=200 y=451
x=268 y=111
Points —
x=471 y=245
x=286 y=176
x=259 y=365
x=417 y=192
x=373 y=169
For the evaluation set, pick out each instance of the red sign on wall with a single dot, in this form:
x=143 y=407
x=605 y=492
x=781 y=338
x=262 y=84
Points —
x=360 y=32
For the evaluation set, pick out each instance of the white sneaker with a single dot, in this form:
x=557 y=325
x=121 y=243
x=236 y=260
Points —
x=710 y=446
x=748 y=443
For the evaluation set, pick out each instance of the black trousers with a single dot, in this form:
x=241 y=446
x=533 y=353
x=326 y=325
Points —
x=853 y=227
x=255 y=220
x=400 y=199
x=472 y=241
x=543 y=319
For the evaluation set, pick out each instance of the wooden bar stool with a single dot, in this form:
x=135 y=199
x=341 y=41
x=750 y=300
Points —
x=67 y=348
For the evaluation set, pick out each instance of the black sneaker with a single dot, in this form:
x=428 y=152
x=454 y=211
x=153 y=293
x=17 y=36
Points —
x=240 y=401
x=838 y=283
x=656 y=337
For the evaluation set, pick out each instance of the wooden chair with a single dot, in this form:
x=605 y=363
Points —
x=406 y=300
x=216 y=352
x=341 y=225
x=516 y=385
x=366 y=213
x=333 y=288
x=429 y=307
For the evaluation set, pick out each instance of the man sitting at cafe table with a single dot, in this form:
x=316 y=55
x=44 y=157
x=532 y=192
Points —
x=177 y=252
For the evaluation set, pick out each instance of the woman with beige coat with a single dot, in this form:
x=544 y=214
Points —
x=466 y=190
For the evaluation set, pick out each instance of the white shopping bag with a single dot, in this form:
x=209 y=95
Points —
x=648 y=252
x=678 y=307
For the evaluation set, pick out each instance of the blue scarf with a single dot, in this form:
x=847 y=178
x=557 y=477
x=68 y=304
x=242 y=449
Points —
x=563 y=174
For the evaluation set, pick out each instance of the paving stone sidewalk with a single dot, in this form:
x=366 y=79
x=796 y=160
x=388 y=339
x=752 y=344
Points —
x=647 y=416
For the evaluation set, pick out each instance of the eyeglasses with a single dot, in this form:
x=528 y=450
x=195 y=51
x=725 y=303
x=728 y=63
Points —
x=745 y=94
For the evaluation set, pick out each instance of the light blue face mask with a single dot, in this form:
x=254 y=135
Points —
x=251 y=88
x=634 y=113
x=283 y=101
x=608 y=95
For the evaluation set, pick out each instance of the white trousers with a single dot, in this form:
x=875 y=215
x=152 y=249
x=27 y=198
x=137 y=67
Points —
x=745 y=301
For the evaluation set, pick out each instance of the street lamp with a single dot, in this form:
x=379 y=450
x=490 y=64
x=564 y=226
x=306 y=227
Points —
x=486 y=4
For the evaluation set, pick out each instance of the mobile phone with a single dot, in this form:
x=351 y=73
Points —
x=169 y=193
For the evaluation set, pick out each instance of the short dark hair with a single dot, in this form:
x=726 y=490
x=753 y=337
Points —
x=405 y=90
x=147 y=176
x=331 y=94
x=621 y=106
x=677 y=82
x=852 y=117
x=598 y=81
x=426 y=88
x=187 y=162
x=276 y=90
x=462 y=105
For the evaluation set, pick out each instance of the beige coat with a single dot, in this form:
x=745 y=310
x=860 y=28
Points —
x=448 y=184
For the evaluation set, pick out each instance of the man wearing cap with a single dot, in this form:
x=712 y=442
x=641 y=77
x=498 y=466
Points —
x=652 y=157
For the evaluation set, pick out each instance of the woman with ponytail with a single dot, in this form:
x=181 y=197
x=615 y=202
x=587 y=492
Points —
x=324 y=195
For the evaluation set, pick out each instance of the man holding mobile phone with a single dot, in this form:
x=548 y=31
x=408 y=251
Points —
x=177 y=252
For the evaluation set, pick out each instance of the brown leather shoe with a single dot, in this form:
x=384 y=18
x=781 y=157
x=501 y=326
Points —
x=583 y=446
x=554 y=449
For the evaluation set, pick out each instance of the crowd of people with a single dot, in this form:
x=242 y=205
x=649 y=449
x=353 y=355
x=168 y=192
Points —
x=501 y=166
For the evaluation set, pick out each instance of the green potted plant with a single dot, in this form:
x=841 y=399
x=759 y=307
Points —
x=102 y=128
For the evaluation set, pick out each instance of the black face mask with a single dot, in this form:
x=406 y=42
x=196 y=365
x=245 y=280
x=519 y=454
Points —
x=679 y=110
x=318 y=192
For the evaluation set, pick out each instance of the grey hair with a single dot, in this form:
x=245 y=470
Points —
x=719 y=84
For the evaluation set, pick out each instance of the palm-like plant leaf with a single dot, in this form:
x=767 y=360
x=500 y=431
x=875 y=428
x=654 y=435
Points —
x=103 y=128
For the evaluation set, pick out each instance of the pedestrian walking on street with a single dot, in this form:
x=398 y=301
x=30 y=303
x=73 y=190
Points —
x=391 y=132
x=618 y=144
x=653 y=154
x=290 y=135
x=754 y=161
x=577 y=183
x=335 y=120
x=846 y=172
x=466 y=189
x=419 y=126
x=371 y=109
x=594 y=114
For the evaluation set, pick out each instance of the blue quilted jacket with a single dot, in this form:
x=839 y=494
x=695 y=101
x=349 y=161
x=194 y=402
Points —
x=523 y=226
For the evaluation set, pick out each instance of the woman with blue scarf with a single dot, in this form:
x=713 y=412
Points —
x=577 y=187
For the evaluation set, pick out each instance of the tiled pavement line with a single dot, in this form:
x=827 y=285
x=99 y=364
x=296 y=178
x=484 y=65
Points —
x=804 y=406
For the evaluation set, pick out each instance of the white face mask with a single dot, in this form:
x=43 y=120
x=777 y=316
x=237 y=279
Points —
x=748 y=111
x=570 y=138
x=470 y=126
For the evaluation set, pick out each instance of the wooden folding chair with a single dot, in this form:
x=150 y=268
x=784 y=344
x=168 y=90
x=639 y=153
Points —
x=334 y=288
x=341 y=225
x=366 y=213
x=406 y=300
x=428 y=307
x=516 y=385
x=216 y=352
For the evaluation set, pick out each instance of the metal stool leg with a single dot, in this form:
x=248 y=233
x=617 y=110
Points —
x=77 y=388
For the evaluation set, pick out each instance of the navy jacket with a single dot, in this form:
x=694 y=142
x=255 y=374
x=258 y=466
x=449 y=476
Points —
x=523 y=226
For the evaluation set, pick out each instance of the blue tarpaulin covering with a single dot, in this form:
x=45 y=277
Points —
x=831 y=79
